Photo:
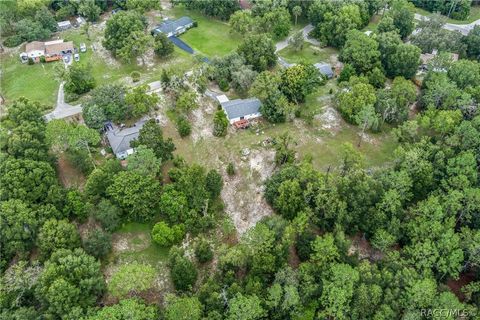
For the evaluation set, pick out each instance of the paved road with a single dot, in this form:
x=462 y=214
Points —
x=306 y=30
x=63 y=109
x=462 y=28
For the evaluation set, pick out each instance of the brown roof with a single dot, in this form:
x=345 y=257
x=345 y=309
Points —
x=34 y=45
x=427 y=57
x=58 y=47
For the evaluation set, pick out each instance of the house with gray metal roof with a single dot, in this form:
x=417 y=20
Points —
x=120 y=139
x=325 y=69
x=241 y=109
x=171 y=27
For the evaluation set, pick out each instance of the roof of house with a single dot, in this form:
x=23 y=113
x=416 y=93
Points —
x=58 y=47
x=324 y=69
x=241 y=107
x=34 y=45
x=120 y=139
x=222 y=98
x=170 y=25
x=64 y=23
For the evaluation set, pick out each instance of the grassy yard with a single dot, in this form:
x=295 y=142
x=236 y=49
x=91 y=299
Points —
x=140 y=247
x=35 y=82
x=211 y=38
x=372 y=25
x=105 y=72
x=310 y=139
x=474 y=15
x=309 y=54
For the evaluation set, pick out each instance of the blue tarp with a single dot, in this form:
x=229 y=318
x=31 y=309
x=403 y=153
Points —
x=182 y=45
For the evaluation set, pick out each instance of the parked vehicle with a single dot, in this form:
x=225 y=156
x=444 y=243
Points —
x=66 y=58
x=83 y=47
x=76 y=56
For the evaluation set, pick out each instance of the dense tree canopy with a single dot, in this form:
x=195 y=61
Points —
x=120 y=28
x=151 y=136
x=136 y=194
x=70 y=283
x=258 y=51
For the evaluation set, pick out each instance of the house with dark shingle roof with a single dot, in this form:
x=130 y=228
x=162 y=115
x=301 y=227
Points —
x=120 y=139
x=241 y=109
x=171 y=27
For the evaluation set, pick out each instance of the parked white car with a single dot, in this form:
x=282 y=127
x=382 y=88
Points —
x=83 y=47
x=76 y=56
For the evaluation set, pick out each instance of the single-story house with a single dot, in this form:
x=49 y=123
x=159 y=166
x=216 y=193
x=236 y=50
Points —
x=325 y=69
x=426 y=58
x=171 y=27
x=241 y=109
x=58 y=48
x=35 y=49
x=120 y=139
x=64 y=25
x=51 y=50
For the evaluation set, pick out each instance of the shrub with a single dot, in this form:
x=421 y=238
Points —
x=184 y=127
x=42 y=59
x=231 y=169
x=98 y=243
x=223 y=85
x=30 y=61
x=203 y=251
x=70 y=97
x=80 y=159
x=13 y=41
x=304 y=244
x=220 y=124
x=135 y=76
x=182 y=271
x=165 y=235
x=108 y=215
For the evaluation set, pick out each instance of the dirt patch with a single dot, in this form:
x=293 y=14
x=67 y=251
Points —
x=457 y=285
x=122 y=242
x=87 y=227
x=243 y=193
x=68 y=175
x=202 y=123
x=330 y=120
x=363 y=249
x=367 y=138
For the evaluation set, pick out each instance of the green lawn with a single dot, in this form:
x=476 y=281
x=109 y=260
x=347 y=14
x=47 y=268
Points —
x=105 y=72
x=309 y=54
x=474 y=15
x=35 y=82
x=141 y=248
x=211 y=38
x=372 y=25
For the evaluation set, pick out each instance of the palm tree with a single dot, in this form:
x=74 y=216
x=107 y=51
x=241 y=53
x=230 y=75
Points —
x=297 y=10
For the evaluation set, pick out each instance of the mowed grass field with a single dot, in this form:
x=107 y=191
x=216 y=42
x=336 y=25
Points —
x=309 y=54
x=473 y=16
x=35 y=82
x=211 y=38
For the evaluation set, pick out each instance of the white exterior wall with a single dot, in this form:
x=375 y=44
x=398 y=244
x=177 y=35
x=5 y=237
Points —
x=36 y=53
x=248 y=117
x=125 y=154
